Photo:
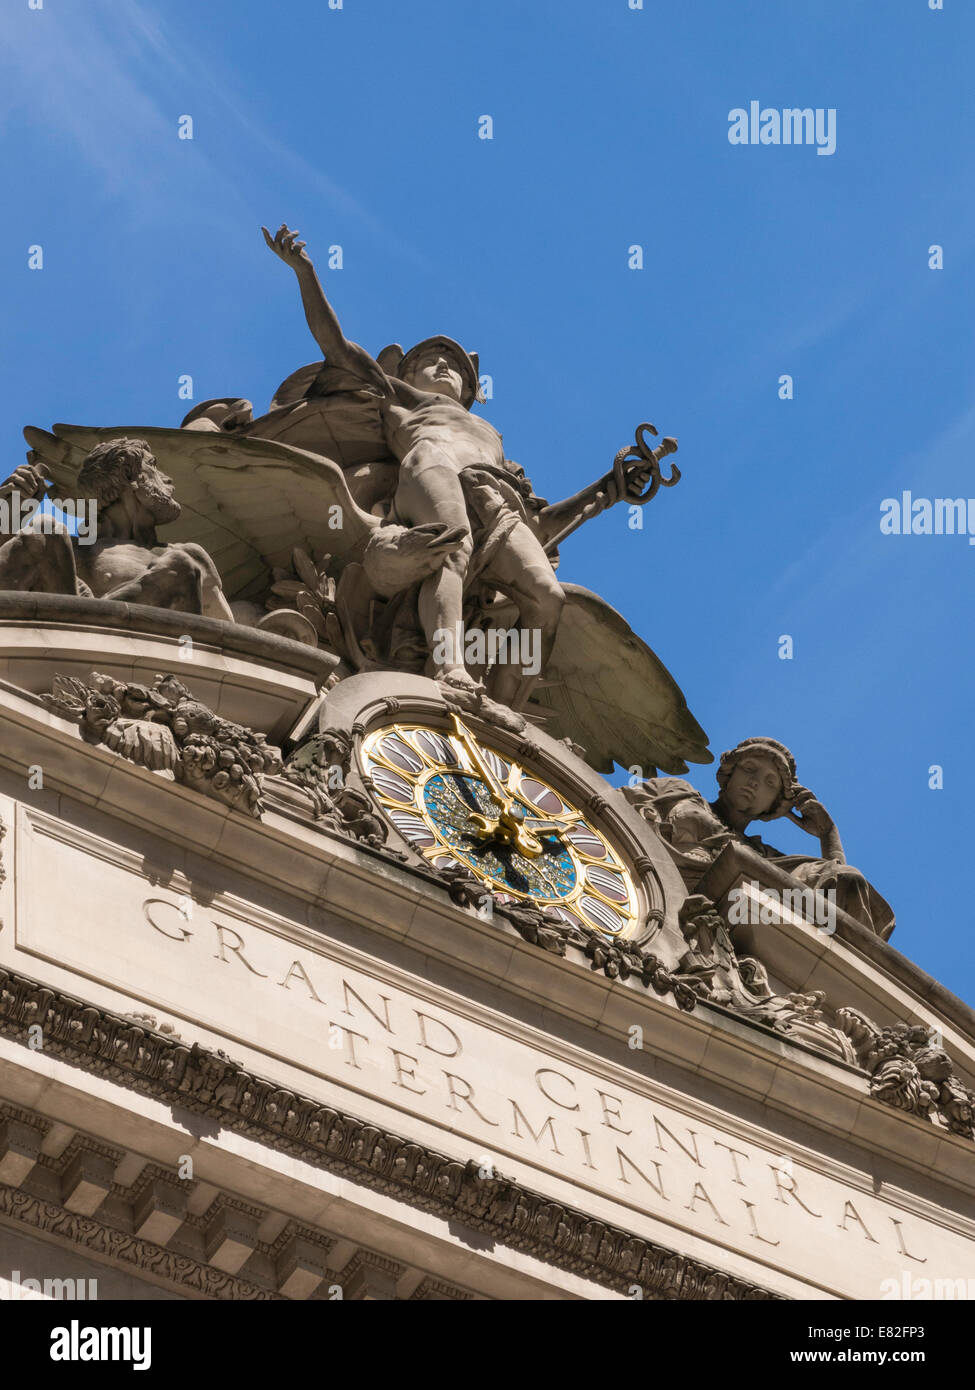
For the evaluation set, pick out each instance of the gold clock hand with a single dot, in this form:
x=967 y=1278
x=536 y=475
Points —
x=509 y=827
x=564 y=823
x=503 y=798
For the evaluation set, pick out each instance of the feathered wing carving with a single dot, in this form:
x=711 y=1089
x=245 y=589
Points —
x=248 y=502
x=607 y=691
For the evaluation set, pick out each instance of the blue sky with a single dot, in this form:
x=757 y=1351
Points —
x=359 y=126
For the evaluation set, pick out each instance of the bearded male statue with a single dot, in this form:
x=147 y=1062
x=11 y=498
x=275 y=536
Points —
x=125 y=560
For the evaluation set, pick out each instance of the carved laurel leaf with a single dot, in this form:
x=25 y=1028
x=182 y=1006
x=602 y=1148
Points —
x=305 y=568
x=68 y=697
x=336 y=638
x=314 y=615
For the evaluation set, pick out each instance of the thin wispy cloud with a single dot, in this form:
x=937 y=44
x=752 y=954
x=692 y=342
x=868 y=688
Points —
x=110 y=79
x=72 y=73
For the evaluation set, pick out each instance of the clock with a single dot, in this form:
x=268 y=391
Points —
x=458 y=801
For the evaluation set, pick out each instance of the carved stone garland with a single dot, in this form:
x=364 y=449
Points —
x=164 y=728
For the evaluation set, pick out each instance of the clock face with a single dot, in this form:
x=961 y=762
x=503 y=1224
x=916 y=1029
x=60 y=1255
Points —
x=458 y=801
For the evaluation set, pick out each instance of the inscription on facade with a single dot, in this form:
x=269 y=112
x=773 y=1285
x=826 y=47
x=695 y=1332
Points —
x=647 y=1154
x=398 y=1050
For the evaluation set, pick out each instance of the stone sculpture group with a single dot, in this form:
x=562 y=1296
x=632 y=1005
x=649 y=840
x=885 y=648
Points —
x=370 y=513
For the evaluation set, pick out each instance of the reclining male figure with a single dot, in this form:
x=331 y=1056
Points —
x=126 y=560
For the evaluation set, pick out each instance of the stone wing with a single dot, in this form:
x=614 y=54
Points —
x=606 y=690
x=248 y=502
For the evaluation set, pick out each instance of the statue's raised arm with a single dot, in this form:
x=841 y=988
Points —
x=321 y=317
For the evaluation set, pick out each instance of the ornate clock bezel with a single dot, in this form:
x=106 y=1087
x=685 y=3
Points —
x=522 y=839
x=361 y=704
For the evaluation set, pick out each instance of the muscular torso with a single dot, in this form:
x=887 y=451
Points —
x=104 y=567
x=108 y=564
x=466 y=440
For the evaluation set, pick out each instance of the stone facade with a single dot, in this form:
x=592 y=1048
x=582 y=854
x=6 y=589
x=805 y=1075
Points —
x=331 y=964
x=369 y=1070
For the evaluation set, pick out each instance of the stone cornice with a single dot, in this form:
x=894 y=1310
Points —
x=236 y=639
x=211 y=1084
x=49 y=1218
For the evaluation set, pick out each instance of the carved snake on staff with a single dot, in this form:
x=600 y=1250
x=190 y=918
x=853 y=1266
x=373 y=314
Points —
x=640 y=450
x=616 y=486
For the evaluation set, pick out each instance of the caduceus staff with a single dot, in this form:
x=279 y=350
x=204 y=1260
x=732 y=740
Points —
x=627 y=482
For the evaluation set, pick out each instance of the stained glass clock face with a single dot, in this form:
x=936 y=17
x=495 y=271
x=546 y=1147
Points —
x=456 y=800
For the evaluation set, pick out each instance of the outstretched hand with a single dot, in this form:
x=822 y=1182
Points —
x=286 y=246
